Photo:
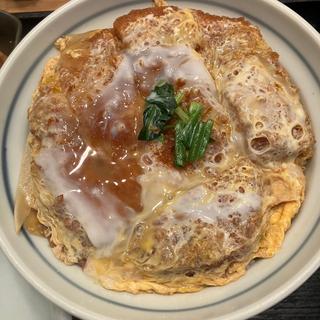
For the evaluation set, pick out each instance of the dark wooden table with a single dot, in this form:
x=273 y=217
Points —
x=304 y=303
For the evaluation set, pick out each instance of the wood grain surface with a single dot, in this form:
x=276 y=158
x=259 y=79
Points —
x=17 y=6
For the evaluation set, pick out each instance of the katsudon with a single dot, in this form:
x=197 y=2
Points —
x=166 y=153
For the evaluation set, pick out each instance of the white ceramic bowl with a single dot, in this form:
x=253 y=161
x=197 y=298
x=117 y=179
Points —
x=266 y=282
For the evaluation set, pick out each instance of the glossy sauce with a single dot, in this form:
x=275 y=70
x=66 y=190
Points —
x=97 y=169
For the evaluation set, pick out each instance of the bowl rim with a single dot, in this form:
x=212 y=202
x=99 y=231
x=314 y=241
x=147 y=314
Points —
x=277 y=294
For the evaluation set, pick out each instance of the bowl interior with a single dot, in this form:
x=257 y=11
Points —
x=266 y=282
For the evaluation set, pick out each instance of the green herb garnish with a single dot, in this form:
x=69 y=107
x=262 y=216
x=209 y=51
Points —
x=191 y=134
x=159 y=109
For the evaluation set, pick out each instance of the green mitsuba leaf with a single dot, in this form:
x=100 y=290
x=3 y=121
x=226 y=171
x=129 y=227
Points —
x=192 y=135
x=159 y=109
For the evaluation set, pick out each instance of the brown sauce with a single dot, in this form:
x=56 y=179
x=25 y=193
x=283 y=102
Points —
x=146 y=78
x=104 y=152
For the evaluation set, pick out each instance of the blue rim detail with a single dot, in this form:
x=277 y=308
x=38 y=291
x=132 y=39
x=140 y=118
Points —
x=6 y=179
